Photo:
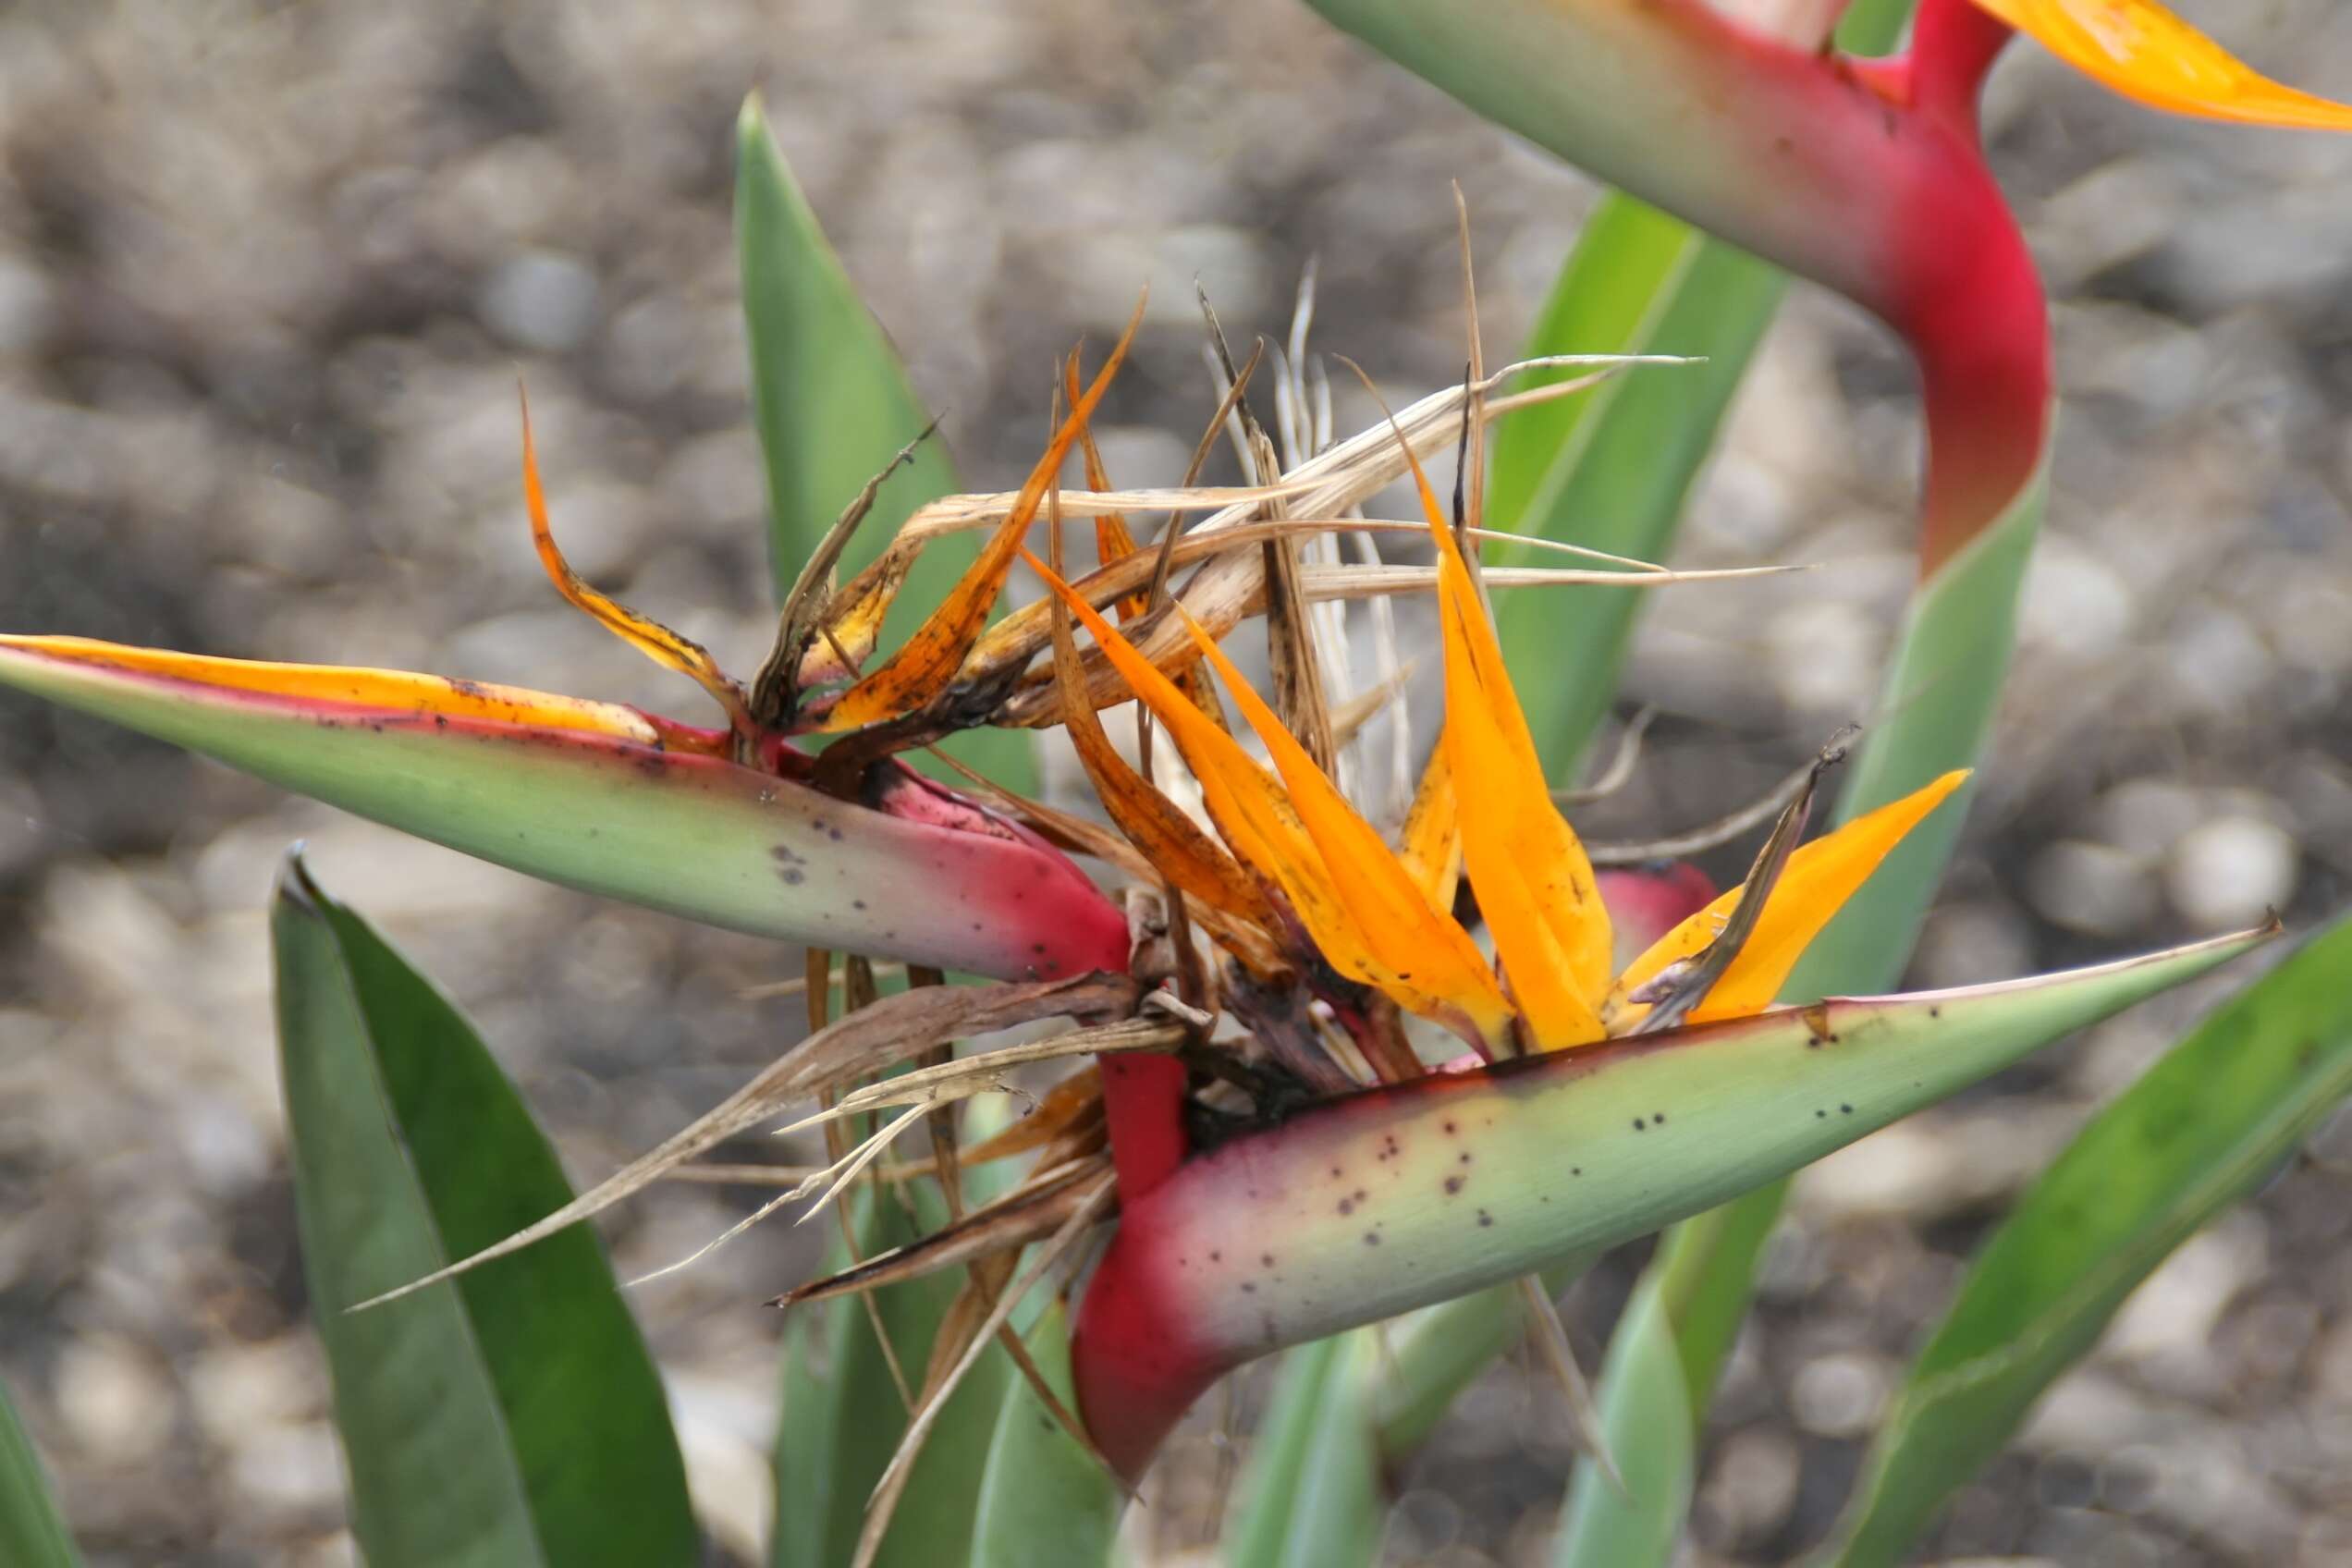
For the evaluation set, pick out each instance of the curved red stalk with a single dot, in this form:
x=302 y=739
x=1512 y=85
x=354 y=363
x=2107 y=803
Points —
x=1144 y=1115
x=1962 y=290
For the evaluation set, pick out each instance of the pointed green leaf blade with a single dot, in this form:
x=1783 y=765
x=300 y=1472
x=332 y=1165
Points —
x=831 y=397
x=1311 y=1495
x=1646 y=1411
x=512 y=1418
x=2197 y=1133
x=1043 y=1498
x=32 y=1534
x=834 y=405
x=591 y=796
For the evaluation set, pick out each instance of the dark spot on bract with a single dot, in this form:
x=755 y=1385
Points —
x=1822 y=1113
x=1658 y=1116
x=1846 y=1109
x=1266 y=1258
x=857 y=903
x=1575 y=1170
x=1249 y=1288
x=1371 y=1238
x=1453 y=1184
x=1466 y=1157
x=1215 y=1257
x=1347 y=1205
x=1485 y=1219
x=1640 y=1124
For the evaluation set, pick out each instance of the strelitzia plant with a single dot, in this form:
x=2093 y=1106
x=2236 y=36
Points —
x=1305 y=1098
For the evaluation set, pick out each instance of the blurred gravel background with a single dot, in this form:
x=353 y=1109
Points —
x=267 y=273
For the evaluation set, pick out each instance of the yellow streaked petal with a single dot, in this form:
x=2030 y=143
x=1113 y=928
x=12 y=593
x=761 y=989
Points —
x=929 y=660
x=2144 y=52
x=650 y=637
x=337 y=686
x=1423 y=951
x=1820 y=877
x=1431 y=847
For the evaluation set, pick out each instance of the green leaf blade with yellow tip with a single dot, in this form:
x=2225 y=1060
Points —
x=604 y=799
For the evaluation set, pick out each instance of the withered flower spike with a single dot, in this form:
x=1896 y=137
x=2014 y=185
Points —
x=1291 y=654
x=776 y=688
x=1674 y=994
x=1624 y=759
x=1559 y=1356
x=1037 y=1208
x=1708 y=835
x=1051 y=1256
x=648 y=636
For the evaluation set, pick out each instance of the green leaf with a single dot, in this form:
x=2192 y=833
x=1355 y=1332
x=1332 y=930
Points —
x=1645 y=1407
x=1043 y=1498
x=843 y=1413
x=512 y=1418
x=591 y=796
x=2200 y=1130
x=1610 y=468
x=33 y=1535
x=1311 y=1496
x=834 y=405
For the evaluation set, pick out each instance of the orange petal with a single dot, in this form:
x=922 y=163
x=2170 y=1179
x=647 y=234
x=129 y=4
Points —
x=1259 y=821
x=650 y=637
x=2146 y=53
x=1814 y=886
x=1534 y=881
x=1425 y=952
x=1152 y=822
x=1113 y=540
x=1510 y=876
x=921 y=668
